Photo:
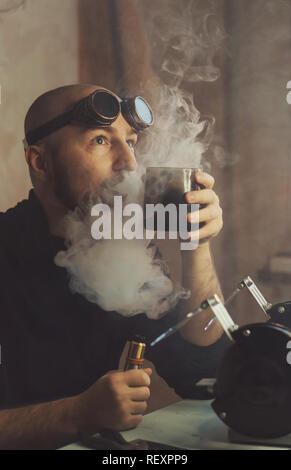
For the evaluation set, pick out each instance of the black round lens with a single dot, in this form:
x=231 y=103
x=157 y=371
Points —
x=106 y=104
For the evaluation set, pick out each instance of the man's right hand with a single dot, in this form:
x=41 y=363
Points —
x=116 y=401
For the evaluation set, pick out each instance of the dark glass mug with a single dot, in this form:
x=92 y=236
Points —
x=168 y=185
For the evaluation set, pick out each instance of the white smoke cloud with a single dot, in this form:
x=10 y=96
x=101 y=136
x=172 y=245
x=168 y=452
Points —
x=121 y=275
x=174 y=139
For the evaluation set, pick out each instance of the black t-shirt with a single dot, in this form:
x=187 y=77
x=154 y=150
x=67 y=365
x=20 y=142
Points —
x=56 y=344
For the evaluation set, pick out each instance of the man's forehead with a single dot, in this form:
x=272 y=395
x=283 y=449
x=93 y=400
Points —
x=120 y=125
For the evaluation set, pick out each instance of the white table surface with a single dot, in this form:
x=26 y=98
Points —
x=187 y=424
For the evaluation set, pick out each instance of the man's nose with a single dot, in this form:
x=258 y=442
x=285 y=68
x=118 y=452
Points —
x=125 y=159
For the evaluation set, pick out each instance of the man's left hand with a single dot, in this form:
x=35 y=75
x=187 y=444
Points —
x=210 y=212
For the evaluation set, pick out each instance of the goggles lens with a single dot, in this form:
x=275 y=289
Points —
x=143 y=110
x=106 y=104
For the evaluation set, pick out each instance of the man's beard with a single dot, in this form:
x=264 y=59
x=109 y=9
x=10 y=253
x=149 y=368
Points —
x=66 y=194
x=104 y=193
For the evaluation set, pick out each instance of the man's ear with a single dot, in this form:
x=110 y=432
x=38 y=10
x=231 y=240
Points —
x=37 y=162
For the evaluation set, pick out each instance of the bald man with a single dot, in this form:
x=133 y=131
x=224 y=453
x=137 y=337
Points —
x=60 y=352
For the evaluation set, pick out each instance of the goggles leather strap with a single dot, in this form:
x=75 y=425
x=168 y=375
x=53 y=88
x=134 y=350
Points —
x=48 y=128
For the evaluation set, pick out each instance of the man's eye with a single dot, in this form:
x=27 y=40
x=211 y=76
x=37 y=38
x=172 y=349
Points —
x=100 y=140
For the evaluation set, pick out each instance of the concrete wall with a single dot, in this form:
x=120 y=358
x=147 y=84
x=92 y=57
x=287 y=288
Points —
x=38 y=52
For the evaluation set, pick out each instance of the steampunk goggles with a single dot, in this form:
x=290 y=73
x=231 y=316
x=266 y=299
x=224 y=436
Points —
x=98 y=109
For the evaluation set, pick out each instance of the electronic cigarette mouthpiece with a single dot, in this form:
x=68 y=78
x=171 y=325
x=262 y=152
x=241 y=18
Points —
x=135 y=355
